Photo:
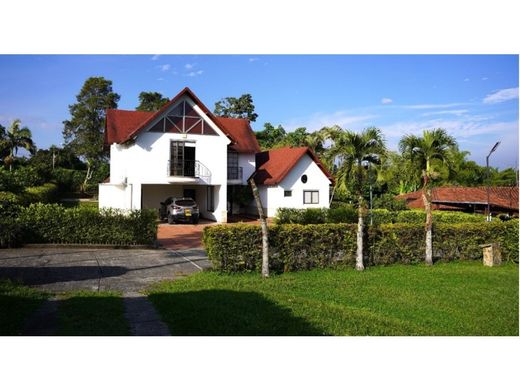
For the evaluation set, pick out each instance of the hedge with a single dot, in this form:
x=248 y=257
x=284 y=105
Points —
x=293 y=247
x=238 y=247
x=348 y=214
x=52 y=223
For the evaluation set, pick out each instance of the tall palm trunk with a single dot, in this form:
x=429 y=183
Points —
x=359 y=253
x=427 y=200
x=263 y=223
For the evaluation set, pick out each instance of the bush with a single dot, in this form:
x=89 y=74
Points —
x=405 y=242
x=10 y=230
x=389 y=202
x=52 y=223
x=344 y=214
x=42 y=194
x=68 y=180
x=291 y=247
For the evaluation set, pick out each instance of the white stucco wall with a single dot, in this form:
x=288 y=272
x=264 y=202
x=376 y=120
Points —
x=273 y=196
x=145 y=162
x=115 y=196
x=247 y=162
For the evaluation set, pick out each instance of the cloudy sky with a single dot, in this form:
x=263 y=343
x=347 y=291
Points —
x=475 y=98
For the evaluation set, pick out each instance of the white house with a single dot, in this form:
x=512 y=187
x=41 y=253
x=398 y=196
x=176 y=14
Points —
x=185 y=150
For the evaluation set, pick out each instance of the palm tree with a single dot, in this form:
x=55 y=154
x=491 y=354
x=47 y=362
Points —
x=15 y=138
x=353 y=153
x=431 y=153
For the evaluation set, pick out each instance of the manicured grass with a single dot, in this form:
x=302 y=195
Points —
x=17 y=302
x=88 y=313
x=463 y=298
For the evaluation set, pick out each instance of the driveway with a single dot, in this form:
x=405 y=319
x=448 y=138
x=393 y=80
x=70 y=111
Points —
x=61 y=269
x=182 y=236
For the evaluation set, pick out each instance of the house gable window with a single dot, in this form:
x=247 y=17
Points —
x=311 y=197
x=183 y=119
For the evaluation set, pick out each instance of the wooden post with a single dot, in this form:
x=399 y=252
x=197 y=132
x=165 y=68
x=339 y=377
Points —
x=263 y=223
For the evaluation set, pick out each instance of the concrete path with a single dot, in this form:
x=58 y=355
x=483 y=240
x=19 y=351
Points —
x=142 y=318
x=62 y=269
x=44 y=321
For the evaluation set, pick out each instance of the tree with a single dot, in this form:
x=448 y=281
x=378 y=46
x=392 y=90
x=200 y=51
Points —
x=232 y=107
x=83 y=132
x=432 y=153
x=270 y=136
x=15 y=137
x=151 y=101
x=263 y=224
x=354 y=152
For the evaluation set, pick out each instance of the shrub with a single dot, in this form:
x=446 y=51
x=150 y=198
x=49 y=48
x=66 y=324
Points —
x=292 y=247
x=404 y=242
x=68 y=180
x=45 y=193
x=10 y=230
x=344 y=214
x=52 y=223
x=389 y=202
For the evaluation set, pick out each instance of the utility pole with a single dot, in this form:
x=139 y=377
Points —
x=488 y=209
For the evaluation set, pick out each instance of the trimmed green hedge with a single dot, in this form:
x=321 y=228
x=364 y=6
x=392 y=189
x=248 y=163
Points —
x=348 y=214
x=238 y=247
x=52 y=223
x=404 y=243
x=293 y=247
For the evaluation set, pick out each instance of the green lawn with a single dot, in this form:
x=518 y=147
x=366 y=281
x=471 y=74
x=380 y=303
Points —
x=16 y=303
x=87 y=313
x=447 y=299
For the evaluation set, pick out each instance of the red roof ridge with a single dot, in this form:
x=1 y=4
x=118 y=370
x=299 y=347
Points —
x=273 y=165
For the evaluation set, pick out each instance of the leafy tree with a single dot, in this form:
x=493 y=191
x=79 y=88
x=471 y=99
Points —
x=270 y=136
x=232 y=107
x=506 y=177
x=15 y=137
x=300 y=137
x=431 y=152
x=83 y=132
x=354 y=152
x=151 y=101
x=397 y=175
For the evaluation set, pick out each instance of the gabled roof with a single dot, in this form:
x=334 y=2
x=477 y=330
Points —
x=503 y=197
x=272 y=166
x=123 y=125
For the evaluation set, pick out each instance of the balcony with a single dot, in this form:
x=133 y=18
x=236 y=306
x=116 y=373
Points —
x=188 y=169
x=234 y=173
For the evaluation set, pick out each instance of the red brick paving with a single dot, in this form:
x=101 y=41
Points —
x=185 y=236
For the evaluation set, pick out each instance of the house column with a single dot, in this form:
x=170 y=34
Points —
x=221 y=203
x=135 y=200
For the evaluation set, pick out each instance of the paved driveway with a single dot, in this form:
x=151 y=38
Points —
x=182 y=236
x=126 y=270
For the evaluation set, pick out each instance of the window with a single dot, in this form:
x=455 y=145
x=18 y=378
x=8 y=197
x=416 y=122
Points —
x=210 y=198
x=304 y=179
x=183 y=119
x=311 y=197
x=287 y=194
x=182 y=158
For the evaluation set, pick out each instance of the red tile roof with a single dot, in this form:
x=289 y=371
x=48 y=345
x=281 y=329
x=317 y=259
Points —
x=123 y=125
x=502 y=197
x=272 y=166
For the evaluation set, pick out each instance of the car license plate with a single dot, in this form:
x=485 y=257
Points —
x=187 y=213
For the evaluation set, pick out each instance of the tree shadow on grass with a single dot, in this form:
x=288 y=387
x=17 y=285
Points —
x=228 y=313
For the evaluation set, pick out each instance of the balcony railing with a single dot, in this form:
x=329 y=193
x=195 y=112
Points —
x=188 y=168
x=234 y=173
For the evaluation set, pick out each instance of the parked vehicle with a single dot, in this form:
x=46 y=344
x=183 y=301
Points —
x=179 y=210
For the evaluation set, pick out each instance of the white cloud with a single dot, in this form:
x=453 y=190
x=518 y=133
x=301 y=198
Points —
x=165 y=67
x=386 y=101
x=160 y=79
x=445 y=112
x=253 y=59
x=193 y=74
x=319 y=120
x=431 y=106
x=501 y=96
x=466 y=79
x=155 y=57
x=484 y=78
x=189 y=66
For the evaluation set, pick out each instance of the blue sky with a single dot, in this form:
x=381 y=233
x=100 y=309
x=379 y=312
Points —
x=474 y=97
